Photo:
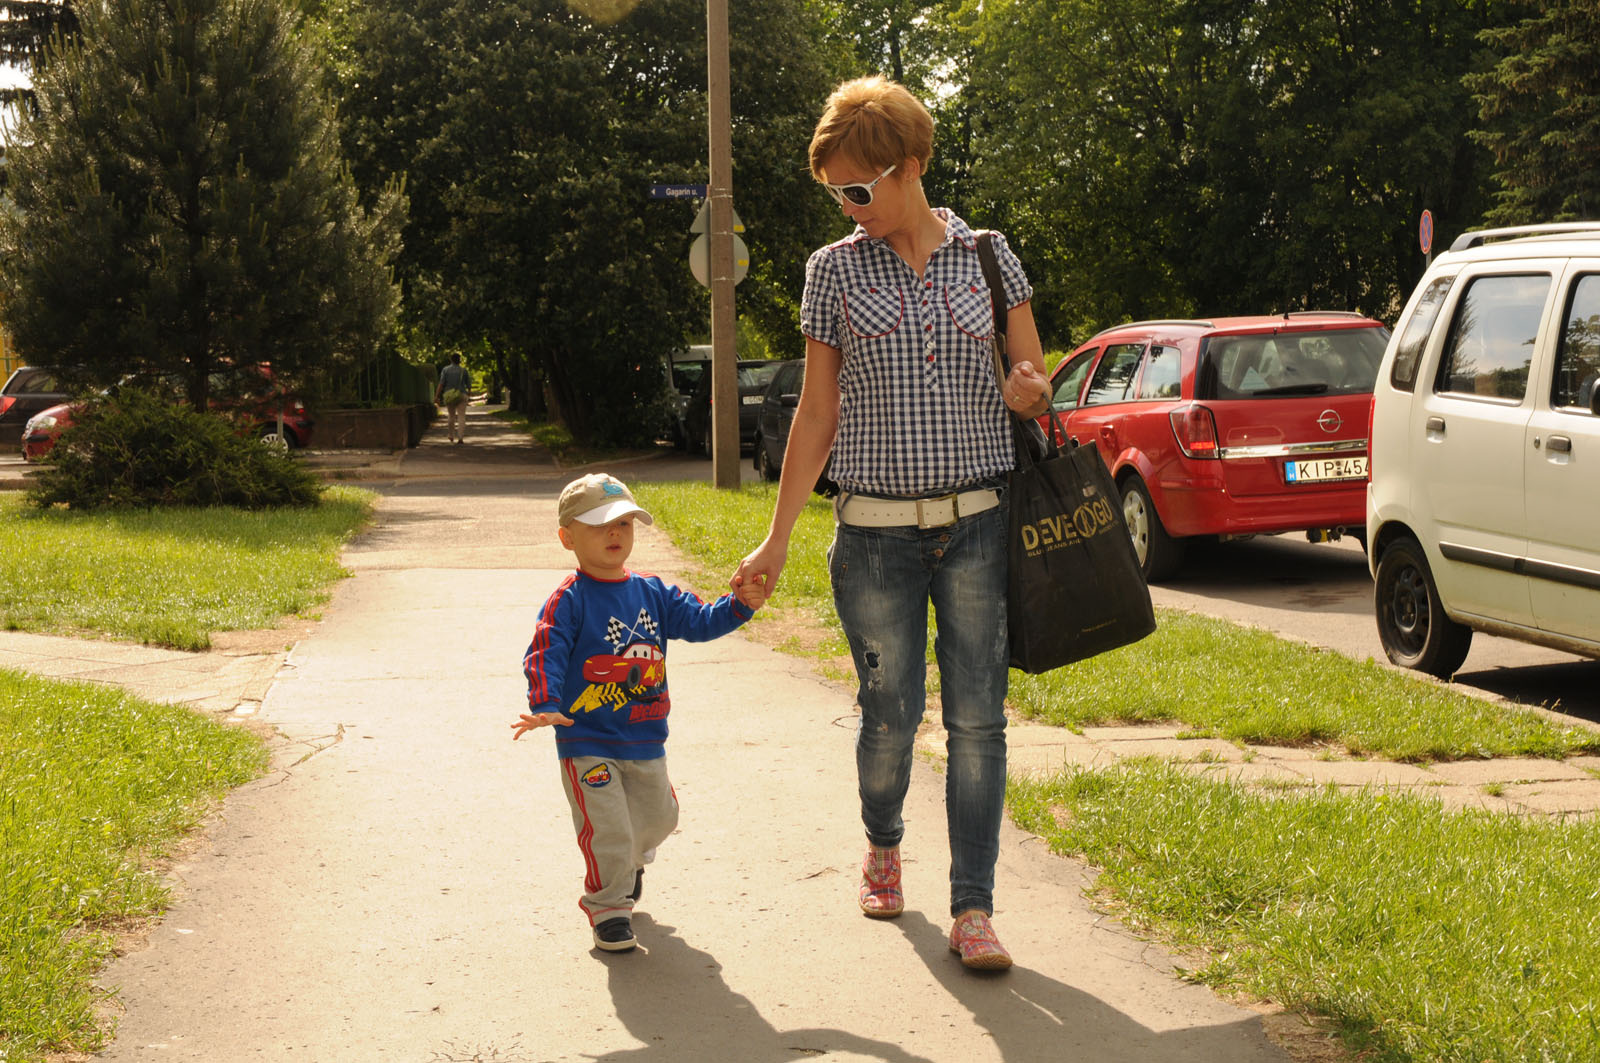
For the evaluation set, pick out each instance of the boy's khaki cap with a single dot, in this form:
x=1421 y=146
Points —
x=598 y=499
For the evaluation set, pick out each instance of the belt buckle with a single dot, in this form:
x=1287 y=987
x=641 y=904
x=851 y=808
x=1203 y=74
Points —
x=955 y=511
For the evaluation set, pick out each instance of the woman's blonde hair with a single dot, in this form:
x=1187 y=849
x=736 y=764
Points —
x=875 y=122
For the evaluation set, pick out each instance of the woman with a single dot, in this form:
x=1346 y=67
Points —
x=900 y=388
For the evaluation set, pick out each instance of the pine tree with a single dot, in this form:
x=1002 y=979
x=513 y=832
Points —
x=1540 y=109
x=26 y=29
x=179 y=205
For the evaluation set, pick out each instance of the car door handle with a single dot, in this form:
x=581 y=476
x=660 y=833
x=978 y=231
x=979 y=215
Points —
x=1560 y=444
x=1436 y=424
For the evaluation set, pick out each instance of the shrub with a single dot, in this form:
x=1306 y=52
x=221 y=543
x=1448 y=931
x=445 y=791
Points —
x=135 y=449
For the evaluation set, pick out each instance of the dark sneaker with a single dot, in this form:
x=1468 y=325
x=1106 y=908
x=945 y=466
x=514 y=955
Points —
x=615 y=935
x=638 y=886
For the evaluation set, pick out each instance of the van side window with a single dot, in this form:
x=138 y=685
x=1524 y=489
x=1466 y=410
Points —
x=1403 y=375
x=1578 y=359
x=1490 y=343
x=1160 y=379
x=1113 y=377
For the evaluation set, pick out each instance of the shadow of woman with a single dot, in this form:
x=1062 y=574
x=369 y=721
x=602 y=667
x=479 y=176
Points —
x=677 y=1004
x=1031 y=1017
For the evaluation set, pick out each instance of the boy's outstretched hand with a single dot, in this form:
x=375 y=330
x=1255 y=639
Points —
x=532 y=721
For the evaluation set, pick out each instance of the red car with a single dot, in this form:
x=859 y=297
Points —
x=640 y=665
x=1229 y=427
x=42 y=430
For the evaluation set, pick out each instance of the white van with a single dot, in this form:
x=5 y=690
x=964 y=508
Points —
x=1483 y=499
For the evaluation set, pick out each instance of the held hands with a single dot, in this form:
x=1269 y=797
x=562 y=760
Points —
x=757 y=575
x=751 y=593
x=1026 y=391
x=532 y=721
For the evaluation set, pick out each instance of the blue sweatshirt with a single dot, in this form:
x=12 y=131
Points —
x=599 y=655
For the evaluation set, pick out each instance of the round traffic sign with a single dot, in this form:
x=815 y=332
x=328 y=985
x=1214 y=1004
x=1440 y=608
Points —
x=700 y=259
x=1425 y=231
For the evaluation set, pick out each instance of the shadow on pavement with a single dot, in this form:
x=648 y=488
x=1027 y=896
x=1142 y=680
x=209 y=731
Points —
x=674 y=1000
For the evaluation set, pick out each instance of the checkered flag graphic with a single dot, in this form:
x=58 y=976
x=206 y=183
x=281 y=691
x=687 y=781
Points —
x=615 y=633
x=646 y=622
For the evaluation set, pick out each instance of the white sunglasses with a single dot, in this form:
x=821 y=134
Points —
x=858 y=194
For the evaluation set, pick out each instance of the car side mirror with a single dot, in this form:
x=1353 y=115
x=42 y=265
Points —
x=789 y=400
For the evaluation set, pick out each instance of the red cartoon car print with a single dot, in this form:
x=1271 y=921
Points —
x=640 y=665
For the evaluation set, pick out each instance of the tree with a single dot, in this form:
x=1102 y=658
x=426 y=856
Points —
x=530 y=134
x=26 y=29
x=178 y=205
x=1540 y=113
x=1221 y=156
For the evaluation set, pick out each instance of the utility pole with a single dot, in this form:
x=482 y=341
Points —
x=719 y=193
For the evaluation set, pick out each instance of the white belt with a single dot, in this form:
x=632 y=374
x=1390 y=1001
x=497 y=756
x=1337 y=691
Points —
x=863 y=512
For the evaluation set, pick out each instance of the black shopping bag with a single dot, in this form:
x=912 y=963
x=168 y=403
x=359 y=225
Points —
x=1075 y=586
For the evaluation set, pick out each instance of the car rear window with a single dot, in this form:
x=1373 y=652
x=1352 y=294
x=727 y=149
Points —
x=31 y=382
x=756 y=377
x=1310 y=362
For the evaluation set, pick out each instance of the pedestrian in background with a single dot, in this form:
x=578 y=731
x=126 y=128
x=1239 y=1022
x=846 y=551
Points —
x=454 y=385
x=901 y=388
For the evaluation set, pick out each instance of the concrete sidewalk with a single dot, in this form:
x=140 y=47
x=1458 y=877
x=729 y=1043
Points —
x=403 y=884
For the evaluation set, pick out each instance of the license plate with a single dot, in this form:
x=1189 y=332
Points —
x=1321 y=470
x=751 y=400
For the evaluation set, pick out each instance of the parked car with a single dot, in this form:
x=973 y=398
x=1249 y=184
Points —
x=684 y=374
x=774 y=417
x=754 y=375
x=260 y=415
x=26 y=392
x=1483 y=504
x=1228 y=427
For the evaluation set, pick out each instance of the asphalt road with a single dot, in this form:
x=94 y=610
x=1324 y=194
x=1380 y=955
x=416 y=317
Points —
x=1321 y=593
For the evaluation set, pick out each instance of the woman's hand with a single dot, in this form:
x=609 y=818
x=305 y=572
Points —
x=759 y=571
x=1026 y=391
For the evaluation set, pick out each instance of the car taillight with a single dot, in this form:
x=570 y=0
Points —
x=1196 y=430
x=1372 y=411
x=6 y=402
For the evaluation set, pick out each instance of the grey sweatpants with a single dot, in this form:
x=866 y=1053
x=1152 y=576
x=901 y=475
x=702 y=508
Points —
x=622 y=810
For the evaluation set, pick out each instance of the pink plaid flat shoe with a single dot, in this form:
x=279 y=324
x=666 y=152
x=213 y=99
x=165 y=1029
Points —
x=974 y=938
x=880 y=884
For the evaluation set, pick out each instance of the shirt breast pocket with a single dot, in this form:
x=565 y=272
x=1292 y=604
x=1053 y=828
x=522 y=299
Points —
x=970 y=309
x=875 y=311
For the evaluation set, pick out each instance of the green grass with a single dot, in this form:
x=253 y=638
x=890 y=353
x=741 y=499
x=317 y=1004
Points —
x=559 y=442
x=1247 y=685
x=94 y=785
x=170 y=577
x=1217 y=678
x=1426 y=934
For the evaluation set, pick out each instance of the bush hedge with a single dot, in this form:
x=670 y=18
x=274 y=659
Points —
x=135 y=449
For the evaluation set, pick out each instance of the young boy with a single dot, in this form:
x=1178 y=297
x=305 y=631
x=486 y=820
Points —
x=597 y=671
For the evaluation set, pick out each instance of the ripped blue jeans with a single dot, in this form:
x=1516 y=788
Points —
x=883 y=580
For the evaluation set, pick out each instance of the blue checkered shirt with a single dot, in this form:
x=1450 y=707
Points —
x=920 y=411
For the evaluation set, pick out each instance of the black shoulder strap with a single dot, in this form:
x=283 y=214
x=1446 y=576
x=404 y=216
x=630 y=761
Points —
x=991 y=276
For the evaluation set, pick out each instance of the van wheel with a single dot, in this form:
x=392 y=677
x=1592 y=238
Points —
x=1159 y=553
x=1412 y=624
